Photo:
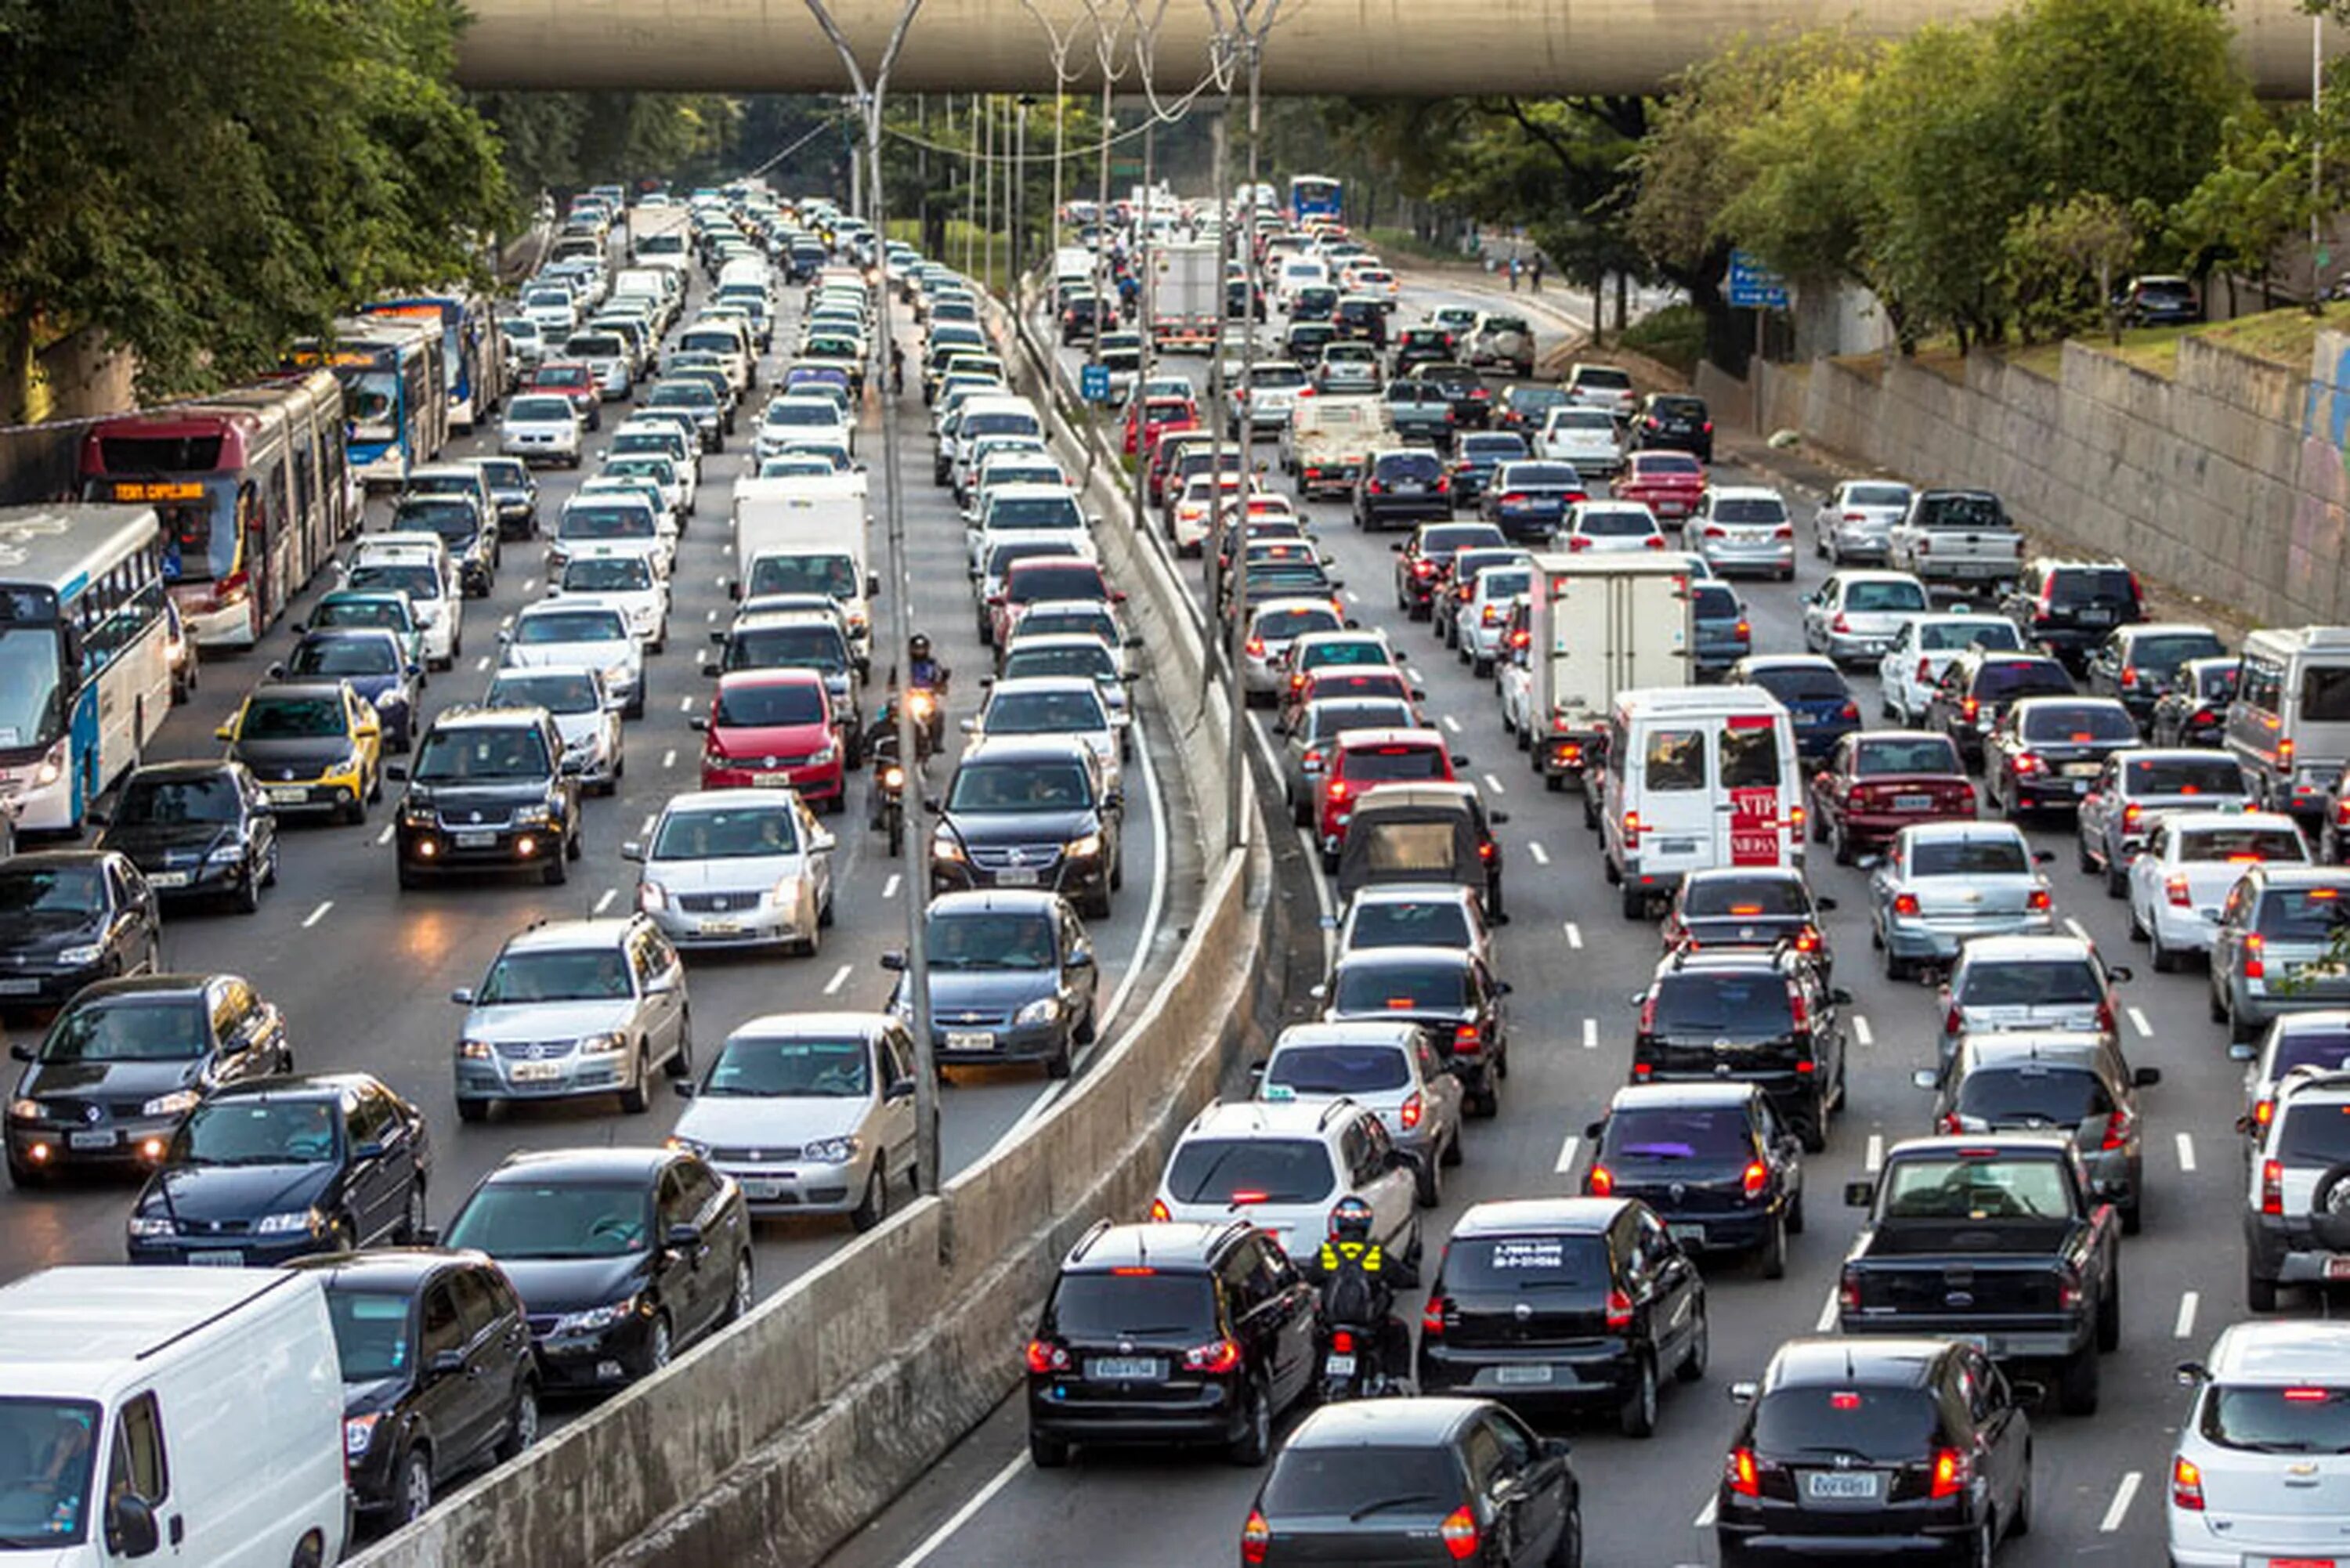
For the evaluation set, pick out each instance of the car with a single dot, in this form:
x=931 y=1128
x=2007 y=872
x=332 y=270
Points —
x=2156 y=300
x=585 y=715
x=574 y=1008
x=1393 y=1069
x=390 y=612
x=1476 y=458
x=655 y=470
x=1528 y=498
x=1348 y=367
x=2191 y=861
x=540 y=428
x=614 y=518
x=1977 y=688
x=1723 y=636
x=1766 y=1017
x=1425 y=560
x=1760 y=907
x=559 y=633
x=1420 y=412
x=1450 y=601
x=2029 y=982
x=314 y=745
x=1357 y=762
x=1923 y=648
x=2316 y=1040
x=1606 y=387
x=1561 y=1303
x=1908 y=1445
x=1283 y=1165
x=1382 y=1480
x=2293 y=1229
x=1713 y=1161
x=1854 y=520
x=1307 y=737
x=622 y=1256
x=1426 y=344
x=1875 y=783
x=487 y=791
x=1813 y=692
x=269 y=1169
x=1610 y=527
x=435 y=605
x=464 y=522
x=195 y=830
x=1042 y=576
x=1743 y=528
x=2045 y=752
x=1585 y=437
x=1481 y=623
x=2259 y=1446
x=2135 y=786
x=374 y=662
x=1168 y=1334
x=70 y=916
x=1674 y=421
x=2137 y=665
x=2068 y=607
x=1050 y=705
x=1014 y=978
x=1668 y=484
x=514 y=492
x=2073 y=1083
x=776 y=727
x=1400 y=484
x=1031 y=811
x=2194 y=711
x=1077 y=655
x=737 y=868
x=438 y=1374
x=1854 y=617
x=808 y=1113
x=2272 y=949
x=1943 y=884
x=1451 y=991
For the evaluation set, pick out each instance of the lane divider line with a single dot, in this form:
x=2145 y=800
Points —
x=2187 y=1153
x=839 y=978
x=1704 y=1520
x=481 y=664
x=955 y=1522
x=2080 y=932
x=1827 y=1318
x=2123 y=1496
x=1452 y=723
x=385 y=836
x=1567 y=1153
x=669 y=758
x=890 y=888
x=651 y=817
x=1861 y=1033
x=2139 y=1022
x=1414 y=675
x=1875 y=1161
x=1575 y=936
x=1494 y=784
x=685 y=705
x=315 y=916
x=1591 y=1034
x=2185 y=1327
x=605 y=902
x=1534 y=851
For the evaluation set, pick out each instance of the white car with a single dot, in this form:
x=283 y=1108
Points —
x=1077 y=656
x=1485 y=618
x=1272 y=626
x=624 y=583
x=1387 y=1068
x=1050 y=705
x=1855 y=615
x=1923 y=647
x=2191 y=862
x=736 y=867
x=539 y=426
x=1609 y=527
x=1585 y=437
x=610 y=523
x=1743 y=528
x=2260 y=1468
x=664 y=440
x=795 y=418
x=655 y=469
x=558 y=632
x=1854 y=520
x=1281 y=1167
x=434 y=595
x=1415 y=914
x=584 y=715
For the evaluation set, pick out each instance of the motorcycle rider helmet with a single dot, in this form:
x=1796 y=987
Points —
x=918 y=647
x=1350 y=1220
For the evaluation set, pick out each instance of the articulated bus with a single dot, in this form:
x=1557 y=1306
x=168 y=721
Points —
x=84 y=675
x=1313 y=196
x=395 y=395
x=473 y=359
x=252 y=490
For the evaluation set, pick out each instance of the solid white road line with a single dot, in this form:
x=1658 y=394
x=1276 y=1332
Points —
x=890 y=888
x=530 y=584
x=1494 y=784
x=481 y=664
x=1452 y=723
x=605 y=902
x=2139 y=1022
x=315 y=916
x=2123 y=1496
x=1862 y=1033
x=1156 y=909
x=2080 y=932
x=1704 y=1520
x=1540 y=856
x=1575 y=936
x=1827 y=1318
x=385 y=836
x=669 y=758
x=2185 y=1327
x=962 y=1516
x=839 y=978
x=1875 y=1161
x=711 y=617
x=2187 y=1153
x=1591 y=1034
x=1567 y=1153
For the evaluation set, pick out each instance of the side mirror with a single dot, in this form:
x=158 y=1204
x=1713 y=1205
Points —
x=1841 y=997
x=2242 y=1052
x=1869 y=862
x=1927 y=1078
x=2120 y=974
x=709 y=669
x=1459 y=758
x=1859 y=1194
x=1825 y=905
x=1498 y=818
x=131 y=1521
x=1399 y=1159
x=1637 y=999
x=225 y=732
x=372 y=1148
x=1556 y=1448
x=682 y=1238
x=2027 y=1394
x=902 y=1089
x=396 y=771
x=2044 y=856
x=1743 y=1393
x=2187 y=1374
x=893 y=959
x=1318 y=992
x=447 y=1364
x=1081 y=957
x=463 y=996
x=1501 y=988
x=416 y=672
x=22 y=1053
x=1594 y=1130
x=632 y=850
x=2146 y=1077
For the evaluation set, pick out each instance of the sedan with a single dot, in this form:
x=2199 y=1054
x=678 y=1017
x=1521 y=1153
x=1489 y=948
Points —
x=1448 y=990
x=1855 y=521
x=1013 y=979
x=2194 y=710
x=1528 y=499
x=314 y=745
x=736 y=867
x=373 y=661
x=70 y=916
x=628 y=584
x=2047 y=750
x=1713 y=1160
x=2191 y=862
x=1814 y=692
x=1307 y=738
x=1048 y=705
x=196 y=830
x=1854 y=617
x=1942 y=883
x=1669 y=483
x=271 y=1169
x=1878 y=782
x=1749 y=907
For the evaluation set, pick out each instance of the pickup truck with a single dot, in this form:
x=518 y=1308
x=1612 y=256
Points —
x=1328 y=443
x=1953 y=540
x=1422 y=414
x=2000 y=1240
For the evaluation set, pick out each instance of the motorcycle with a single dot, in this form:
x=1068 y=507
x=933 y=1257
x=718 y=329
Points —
x=889 y=777
x=926 y=704
x=1351 y=1364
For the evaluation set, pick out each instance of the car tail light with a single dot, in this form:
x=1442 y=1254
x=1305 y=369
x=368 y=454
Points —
x=2037 y=900
x=1711 y=532
x=1925 y=669
x=1492 y=616
x=1849 y=711
x=2255 y=967
x=1744 y=630
x=1600 y=1183
x=1948 y=1123
x=1631 y=830
x=1849 y=1291
x=1952 y=1471
x=1256 y=648
x=2025 y=763
x=1969 y=709
x=1338 y=789
x=2175 y=889
x=1619 y=1311
x=2131 y=816
x=1757 y=1177
x=2129 y=677
x=1342 y=1341
x=2264 y=1113
x=2118 y=1128
x=1856 y=517
x=2068 y=1287
x=1410 y=1111
x=1256 y=1537
x=1784 y=531
x=1215 y=1358
x=1905 y=904
x=1431 y=1317
x=2105 y=1022
x=1954 y=1021
x=1841 y=624
x=1423 y=569
x=1653 y=542
x=2186 y=1484
x=1578 y=542
x=1737 y=1473
x=1046 y=1358
x=1798 y=1014
x=1512 y=498
x=1459 y=1529
x=1373 y=487
x=1464 y=1037
x=1707 y=428
x=2273 y=1187
x=1158 y=1210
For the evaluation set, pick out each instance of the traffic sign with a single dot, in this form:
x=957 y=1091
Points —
x=1753 y=286
x=1093 y=381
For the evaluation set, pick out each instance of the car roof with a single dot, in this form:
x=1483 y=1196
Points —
x=723 y=799
x=1689 y=1096
x=1516 y=1216
x=1182 y=1244
x=2295 y=877
x=1349 y=1031
x=997 y=749
x=191 y=767
x=377 y=1268
x=1065 y=685
x=1809 y=1363
x=798 y=1026
x=2048 y=947
x=1772 y=662
x=2280 y=1352
x=2061 y=1047
x=46 y=859
x=1411 y=893
x=1939 y=832
x=181 y=984
x=1357 y=740
x=1384 y=1423
x=296 y=1086
x=562 y=936
x=1401 y=955
x=561 y=1164
x=1268 y=1118
x=488 y=718
x=994 y=900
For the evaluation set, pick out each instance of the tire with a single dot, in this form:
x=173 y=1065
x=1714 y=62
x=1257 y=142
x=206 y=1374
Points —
x=1796 y=1215
x=1254 y=1445
x=25 y=1176
x=411 y=1220
x=1453 y=1154
x=472 y=1113
x=1059 y=1064
x=1636 y=903
x=634 y=1097
x=1771 y=1261
x=1568 y=1553
x=659 y=1347
x=2166 y=960
x=1047 y=1453
x=743 y=1294
x=1692 y=1366
x=1983 y=1544
x=555 y=872
x=1409 y=1266
x=248 y=893
x=2109 y=1318
x=1637 y=1416
x=2259 y=1294
x=1429 y=1183
x=2076 y=1383
x=873 y=1206
x=2020 y=1525
x=2116 y=880
x=412 y=1495
x=522 y=1426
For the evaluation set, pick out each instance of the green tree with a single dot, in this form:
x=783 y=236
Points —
x=2253 y=201
x=2062 y=262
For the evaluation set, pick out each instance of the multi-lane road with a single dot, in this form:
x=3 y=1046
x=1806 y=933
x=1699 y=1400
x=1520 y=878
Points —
x=1572 y=959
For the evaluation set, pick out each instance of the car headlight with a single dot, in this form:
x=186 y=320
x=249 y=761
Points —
x=417 y=815
x=652 y=896
x=618 y=675
x=603 y=1044
x=787 y=890
x=228 y=855
x=944 y=847
x=178 y=1103
x=833 y=1151
x=309 y=1220
x=595 y=1318
x=88 y=953
x=533 y=815
x=1087 y=844
x=822 y=756
x=26 y=1111
x=149 y=1226
x=693 y=1146
x=1044 y=1010
x=358 y=1431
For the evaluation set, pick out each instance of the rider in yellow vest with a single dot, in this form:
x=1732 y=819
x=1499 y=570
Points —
x=1357 y=1287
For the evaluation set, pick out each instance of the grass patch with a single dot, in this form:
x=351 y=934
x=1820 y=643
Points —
x=1674 y=335
x=2284 y=337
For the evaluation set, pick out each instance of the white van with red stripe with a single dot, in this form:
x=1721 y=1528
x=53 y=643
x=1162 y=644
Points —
x=1697 y=777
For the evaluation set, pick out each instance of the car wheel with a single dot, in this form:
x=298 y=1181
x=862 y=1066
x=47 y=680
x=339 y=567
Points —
x=555 y=872
x=659 y=1347
x=411 y=1221
x=634 y=1097
x=522 y=1425
x=873 y=1206
x=1692 y=1366
x=1773 y=1262
x=2166 y=960
x=2259 y=1294
x=248 y=893
x=743 y=1293
x=472 y=1112
x=2076 y=1385
x=1637 y=1418
x=414 y=1499
x=681 y=1064
x=1047 y=1453
x=2020 y=1525
x=1415 y=1254
x=23 y=1175
x=1453 y=1154
x=1568 y=1552
x=1795 y=1214
x=1428 y=1183
x=1254 y=1444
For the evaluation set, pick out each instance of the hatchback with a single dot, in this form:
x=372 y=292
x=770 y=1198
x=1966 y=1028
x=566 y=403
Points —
x=1854 y=617
x=541 y=429
x=1669 y=483
x=775 y=729
x=2132 y=791
x=1744 y=528
x=374 y=662
x=2263 y=1452
x=1586 y=438
x=1527 y=500
x=1391 y=1068
x=572 y=1008
x=1977 y=688
x=71 y=917
x=2272 y=951
x=1674 y=421
x=1401 y=484
x=1282 y=1166
x=2071 y=1081
x=2069 y=606
x=1813 y=692
x=1359 y=762
x=2045 y=752
x=2035 y=983
x=1609 y=527
x=735 y=868
x=2139 y=665
x=1712 y=1160
x=1760 y=1017
x=1854 y=520
x=195 y=830
x=314 y=745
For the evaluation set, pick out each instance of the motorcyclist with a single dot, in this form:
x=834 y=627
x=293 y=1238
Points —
x=881 y=751
x=922 y=669
x=1355 y=1286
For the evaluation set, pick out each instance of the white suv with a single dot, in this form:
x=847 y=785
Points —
x=1285 y=1166
x=2264 y=1456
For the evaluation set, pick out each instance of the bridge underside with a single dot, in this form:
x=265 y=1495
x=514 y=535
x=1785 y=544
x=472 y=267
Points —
x=1400 y=48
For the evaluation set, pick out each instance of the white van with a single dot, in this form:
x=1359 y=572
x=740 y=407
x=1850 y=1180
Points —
x=1697 y=777
x=2289 y=724
x=180 y=1415
x=729 y=338
x=807 y=536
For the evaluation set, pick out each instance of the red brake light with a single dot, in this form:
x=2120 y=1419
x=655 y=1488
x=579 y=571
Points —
x=2264 y=1113
x=1631 y=830
x=1952 y=1471
x=2037 y=900
x=1256 y=1536
x=1216 y=1359
x=2129 y=676
x=1744 y=630
x=2175 y=889
x=1460 y=1532
x=1843 y=1401
x=1970 y=708
x=1411 y=1110
x=1758 y=1176
x=2255 y=966
x=1044 y=1358
x=1256 y=648
x=1249 y=1195
x=2307 y=1396
x=1905 y=903
x=1619 y=1311
x=1464 y=1036
x=1343 y=1342
x=2186 y=1485
x=1739 y=1473
x=1431 y=1317
x=1797 y=1013
x=2272 y=1187
x=1601 y=1182
x=2118 y=1128
x=1843 y=623
x=2131 y=816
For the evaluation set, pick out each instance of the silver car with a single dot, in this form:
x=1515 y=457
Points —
x=810 y=1113
x=1743 y=528
x=2135 y=787
x=2313 y=1041
x=2260 y=1472
x=1273 y=627
x=1854 y=520
x=1077 y=655
x=1942 y=883
x=2272 y=951
x=1347 y=367
x=737 y=868
x=574 y=1008
x=1390 y=1068
x=1855 y=615
x=557 y=632
x=1415 y=914
x=1050 y=705
x=2037 y=983
x=540 y=428
x=585 y=715
x=2030 y=1080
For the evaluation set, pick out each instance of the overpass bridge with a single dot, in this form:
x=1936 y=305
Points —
x=1406 y=48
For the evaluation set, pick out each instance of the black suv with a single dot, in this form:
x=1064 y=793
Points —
x=199 y=829
x=2070 y=607
x=1565 y=1303
x=1169 y=1332
x=1915 y=1443
x=1401 y=485
x=1762 y=1018
x=1480 y=455
x=2139 y=665
x=1304 y=341
x=473 y=539
x=1750 y=906
x=487 y=791
x=1362 y=318
x=1422 y=346
x=1674 y=421
x=1977 y=689
x=1712 y=1159
x=1031 y=810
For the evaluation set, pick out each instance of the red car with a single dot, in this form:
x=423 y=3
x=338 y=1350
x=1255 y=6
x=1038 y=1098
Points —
x=774 y=728
x=1878 y=782
x=1670 y=483
x=1156 y=417
x=572 y=380
x=1361 y=762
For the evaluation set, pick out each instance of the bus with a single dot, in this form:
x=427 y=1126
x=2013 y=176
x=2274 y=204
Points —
x=473 y=359
x=85 y=671
x=395 y=402
x=252 y=488
x=1315 y=197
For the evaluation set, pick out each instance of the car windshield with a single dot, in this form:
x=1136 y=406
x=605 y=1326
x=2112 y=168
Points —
x=370 y=1333
x=1236 y=1171
x=2315 y=1133
x=417 y=580
x=328 y=657
x=726 y=833
x=49 y=1444
x=1733 y=1009
x=1339 y=1069
x=1385 y=762
x=2305 y=1418
x=1716 y=1134
x=2302 y=914
x=1045 y=713
x=2010 y=981
x=391 y=614
x=833 y=575
x=2092 y=585
x=2217 y=775
x=457 y=756
x=1960 y=509
x=2165 y=651
x=991 y=939
x=1398 y=987
x=292 y=718
x=1651 y=464
x=1614 y=521
x=608 y=523
x=983 y=787
x=539 y=411
x=241 y=1131
x=1715 y=602
x=755 y=1066
x=806 y=645
x=2078 y=722
x=129 y=1028
x=1874 y=1426
x=524 y=1218
x=2034 y=1093
x=762 y=705
x=556 y=974
x=2241 y=844
x=1090 y=660
x=1926 y=755
x=609 y=574
x=562 y=691
x=1745 y=895
x=1108 y=1306
x=50 y=890
x=168 y=802
x=1883 y=597
x=2324 y=1045
x=1437 y=923
x=570 y=626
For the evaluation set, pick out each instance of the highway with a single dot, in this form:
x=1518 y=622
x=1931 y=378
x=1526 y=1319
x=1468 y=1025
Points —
x=1573 y=961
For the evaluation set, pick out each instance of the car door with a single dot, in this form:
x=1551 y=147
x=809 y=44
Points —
x=441 y=1407
x=893 y=1063
x=489 y=1329
x=1996 y=1426
x=134 y=932
x=138 y=1466
x=1383 y=1180
x=818 y=846
x=2104 y=666
x=1660 y=1280
x=725 y=1229
x=1831 y=785
x=1781 y=1148
x=660 y=991
x=1895 y=671
x=2098 y=807
x=1528 y=1502
x=1080 y=973
x=373 y=1188
x=1438 y=1088
x=248 y=1033
x=2146 y=872
x=682 y=1272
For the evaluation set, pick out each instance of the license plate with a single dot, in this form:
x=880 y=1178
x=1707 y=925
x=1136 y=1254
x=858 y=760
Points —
x=19 y=987
x=1521 y=1377
x=537 y=1072
x=722 y=928
x=1692 y=1234
x=92 y=1139
x=1017 y=876
x=755 y=1189
x=2337 y=1268
x=1675 y=846
x=287 y=794
x=1338 y=1365
x=1913 y=803
x=1124 y=1369
x=170 y=878
x=2082 y=770
x=1406 y=487
x=778 y=780
x=970 y=1040
x=229 y=1259
x=2097 y=618
x=1841 y=1486
x=475 y=840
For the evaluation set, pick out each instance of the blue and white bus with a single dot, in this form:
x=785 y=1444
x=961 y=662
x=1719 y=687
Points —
x=84 y=670
x=394 y=392
x=472 y=360
x=1315 y=198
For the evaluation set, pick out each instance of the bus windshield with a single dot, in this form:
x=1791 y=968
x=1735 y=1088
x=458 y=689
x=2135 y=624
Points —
x=32 y=706
x=372 y=396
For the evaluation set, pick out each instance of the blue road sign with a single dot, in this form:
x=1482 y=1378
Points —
x=1753 y=286
x=1093 y=381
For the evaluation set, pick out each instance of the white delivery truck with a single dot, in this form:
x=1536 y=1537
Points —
x=1186 y=294
x=807 y=535
x=1597 y=626
x=178 y=1416
x=1697 y=777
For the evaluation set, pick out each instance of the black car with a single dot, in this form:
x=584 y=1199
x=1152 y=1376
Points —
x=69 y=917
x=2194 y=711
x=1083 y=315
x=1527 y=500
x=1450 y=991
x=1242 y=303
x=515 y=490
x=195 y=830
x=1424 y=561
x=1420 y=412
x=1745 y=1016
x=2046 y=752
x=1560 y=1304
x=1315 y=302
x=1417 y=346
x=1750 y=906
x=1013 y=979
x=1363 y=318
x=1713 y=1160
x=487 y=791
x=279 y=1167
x=473 y=539
x=1908 y=1446
x=1525 y=406
x=2068 y=607
x=1976 y=689
x=2139 y=665
x=126 y=1061
x=2157 y=301
x=1170 y=1332
x=1386 y=1480
x=438 y=1374
x=622 y=1256
x=1481 y=452
x=1674 y=421
x=373 y=662
x=1304 y=341
x=1472 y=404
x=1031 y=810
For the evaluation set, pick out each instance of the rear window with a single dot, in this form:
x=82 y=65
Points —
x=1731 y=896
x=2022 y=678
x=1350 y=651
x=1250 y=1170
x=1105 y=1306
x=1883 y=1426
x=1969 y=857
x=1881 y=597
x=1603 y=379
x=1961 y=511
x=2167 y=651
x=1731 y=1009
x=2306 y=1047
x=1398 y=987
x=1801 y=683
x=1872 y=759
x=2302 y=914
x=2090 y=584
x=1750 y=509
x=1542 y=477
x=1615 y=523
x=2185 y=775
x=2316 y=1132
x=1351 y=1481
x=2087 y=722
x=1528 y=1264
x=1945 y=635
x=1324 y=720
x=1339 y=1069
x=1281 y=626
x=2034 y=1093
x=1408 y=849
x=2244 y=843
x=2022 y=982
x=1877 y=495
x=2312 y=1419
x=1390 y=762
x=1715 y=602
x=1956 y=1187
x=1715 y=1135
x=1435 y=923
x=1662 y=462
x=1410 y=465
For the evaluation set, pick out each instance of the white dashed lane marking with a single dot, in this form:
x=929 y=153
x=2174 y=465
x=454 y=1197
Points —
x=839 y=978
x=605 y=902
x=1575 y=936
x=315 y=916
x=1862 y=1033
x=2139 y=1022
x=2123 y=1496
x=1541 y=856
x=1567 y=1153
x=1591 y=1034
x=2185 y=1327
x=1875 y=1159
x=890 y=888
x=2187 y=1153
